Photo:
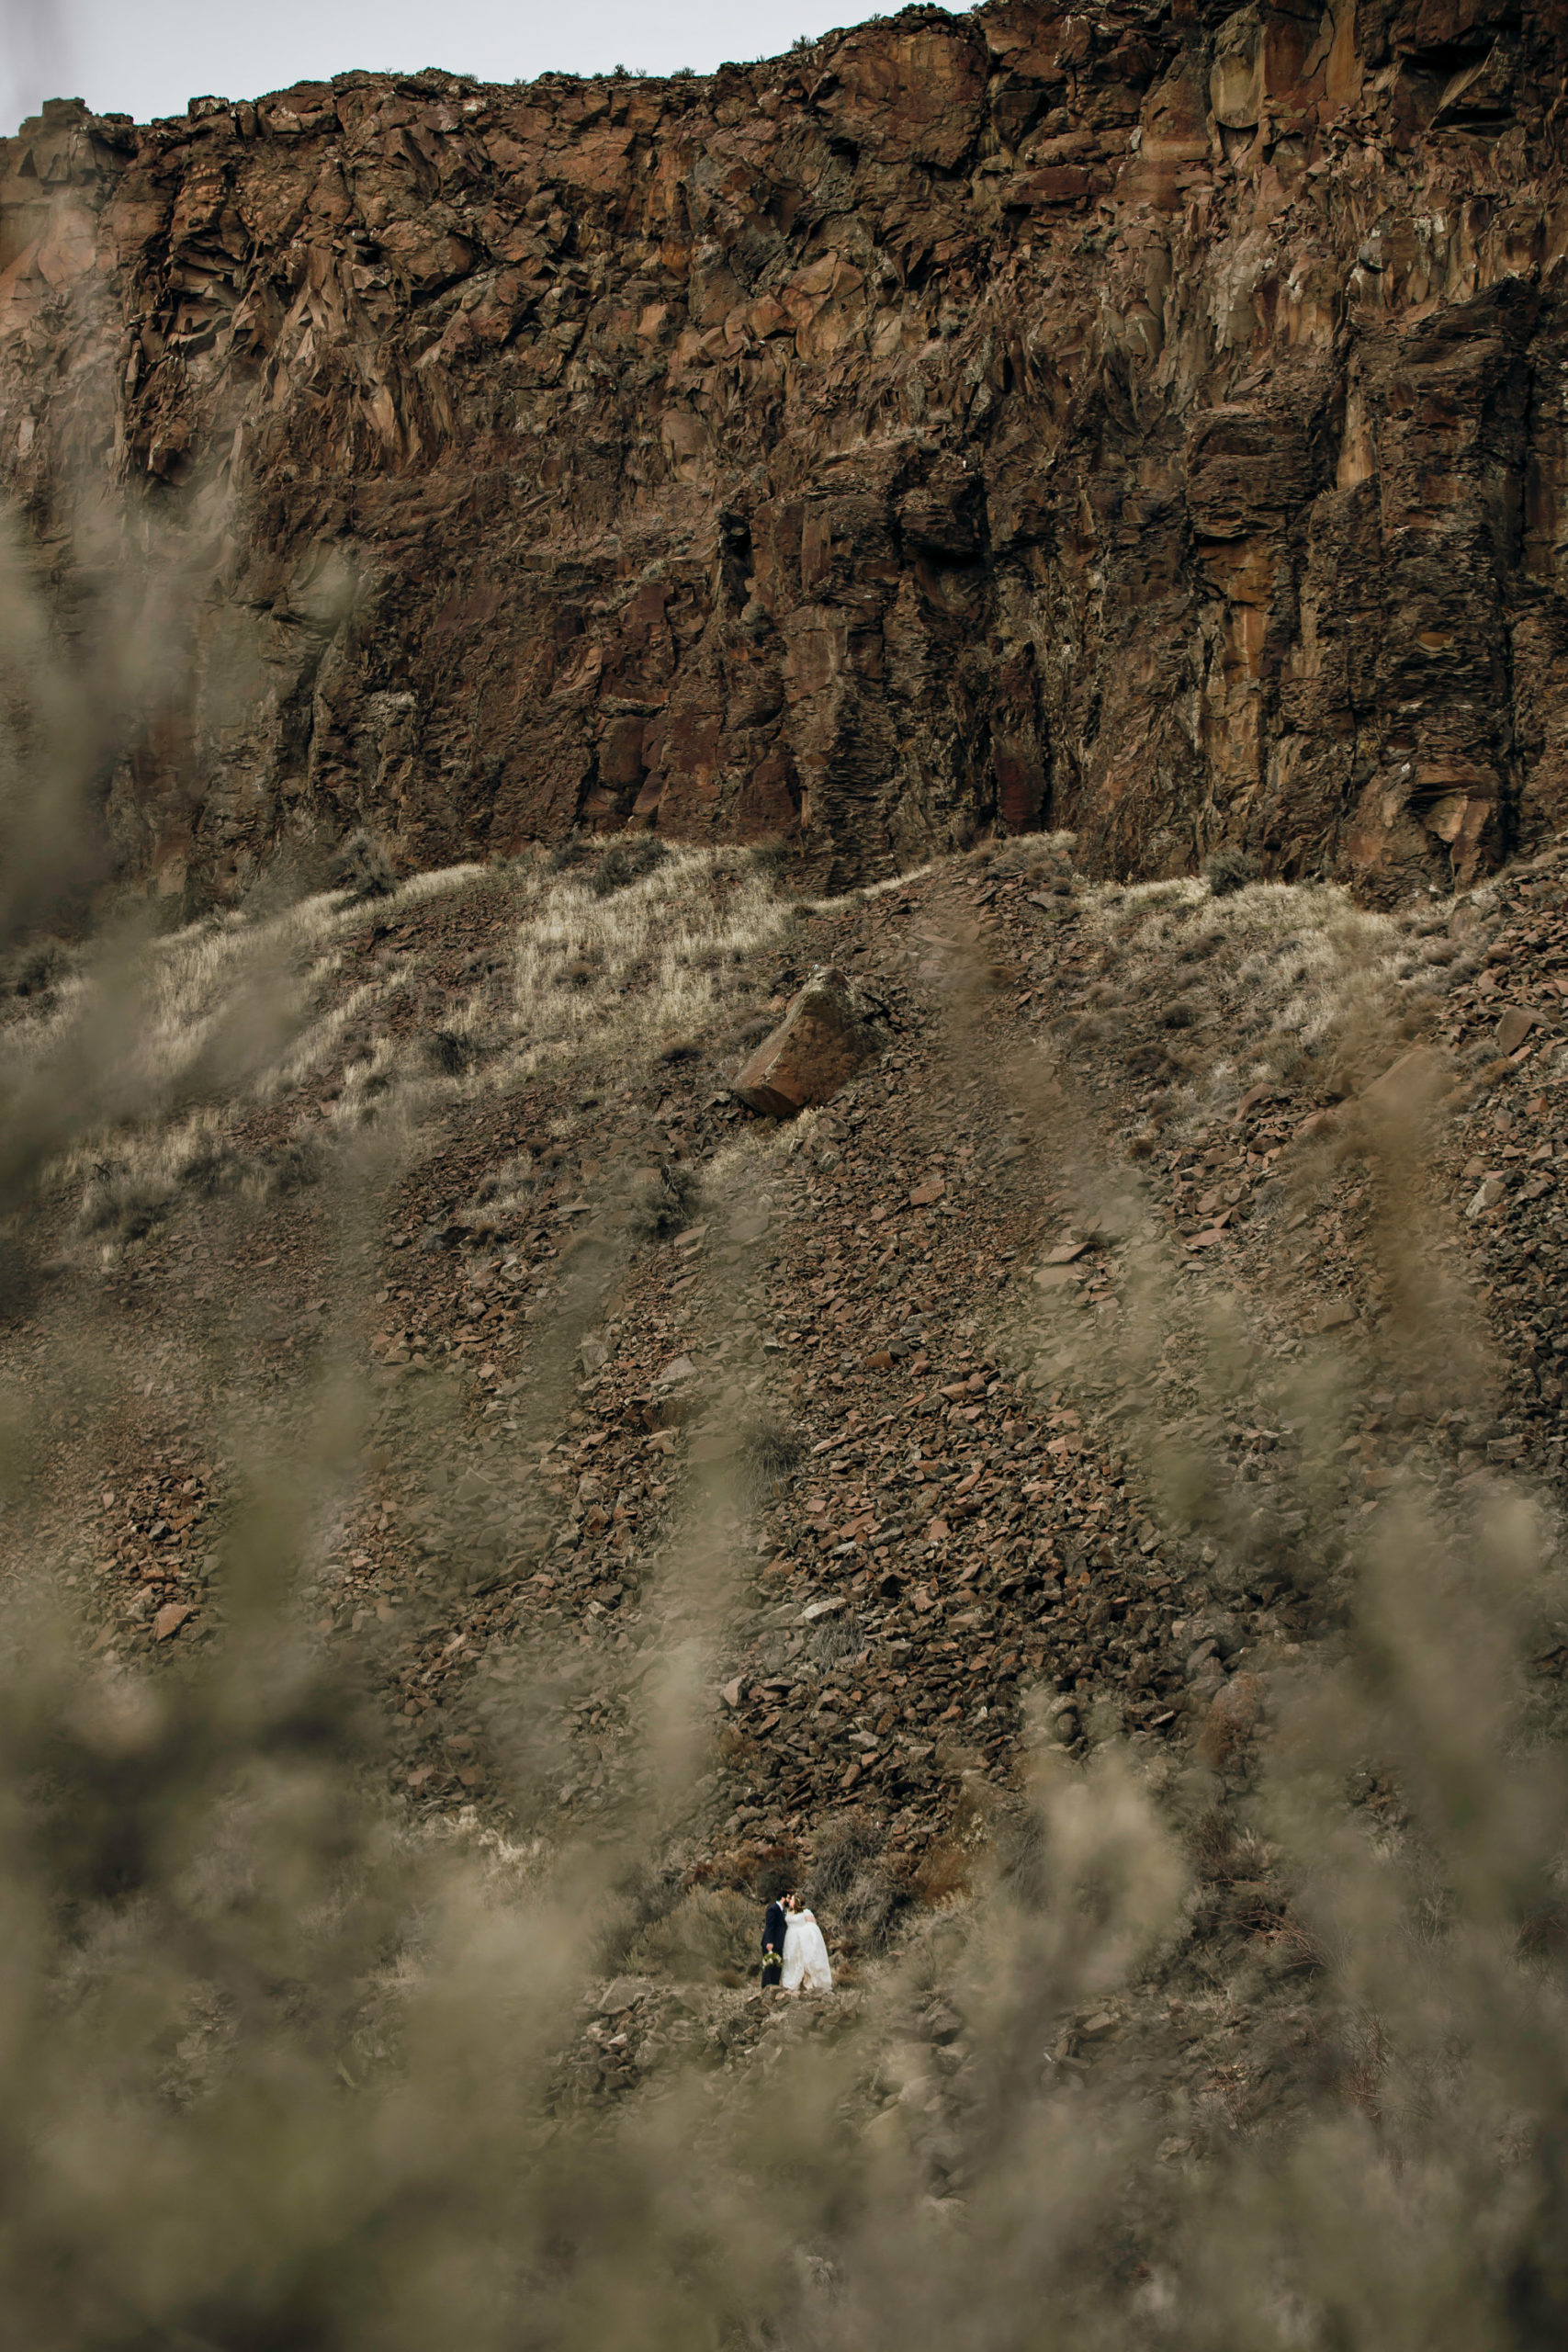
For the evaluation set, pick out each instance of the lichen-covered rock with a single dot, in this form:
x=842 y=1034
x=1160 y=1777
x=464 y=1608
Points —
x=1143 y=421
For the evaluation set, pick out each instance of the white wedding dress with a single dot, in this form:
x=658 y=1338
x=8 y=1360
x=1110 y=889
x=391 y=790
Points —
x=805 y=1956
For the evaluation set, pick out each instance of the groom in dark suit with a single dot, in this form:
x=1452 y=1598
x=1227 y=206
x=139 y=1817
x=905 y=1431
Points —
x=773 y=1944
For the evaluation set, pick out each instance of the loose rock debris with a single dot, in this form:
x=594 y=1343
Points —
x=905 y=1339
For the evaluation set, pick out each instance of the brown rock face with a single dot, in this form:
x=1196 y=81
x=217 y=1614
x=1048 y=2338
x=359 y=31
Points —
x=828 y=1031
x=1146 y=421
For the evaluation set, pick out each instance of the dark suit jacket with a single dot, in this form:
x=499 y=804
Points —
x=773 y=1932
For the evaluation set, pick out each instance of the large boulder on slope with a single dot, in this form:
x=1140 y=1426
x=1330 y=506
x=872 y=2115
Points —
x=830 y=1029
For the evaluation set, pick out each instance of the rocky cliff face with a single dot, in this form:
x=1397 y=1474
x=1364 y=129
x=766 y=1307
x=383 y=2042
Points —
x=1151 y=420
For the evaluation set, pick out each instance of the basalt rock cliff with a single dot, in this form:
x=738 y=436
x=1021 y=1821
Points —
x=1152 y=420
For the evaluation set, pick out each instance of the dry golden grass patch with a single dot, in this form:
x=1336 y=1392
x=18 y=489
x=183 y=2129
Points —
x=177 y=1038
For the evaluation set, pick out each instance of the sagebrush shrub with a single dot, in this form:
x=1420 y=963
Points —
x=668 y=1206
x=1229 y=870
x=625 y=862
x=575 y=850
x=361 y=867
x=770 y=1452
x=851 y=1883
x=125 y=1205
x=709 y=1936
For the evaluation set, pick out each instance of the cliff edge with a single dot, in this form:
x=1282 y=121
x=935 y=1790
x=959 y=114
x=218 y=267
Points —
x=1149 y=422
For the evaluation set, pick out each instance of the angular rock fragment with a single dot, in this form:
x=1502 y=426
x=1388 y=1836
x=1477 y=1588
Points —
x=1335 y=1317
x=1514 y=1027
x=830 y=1028
x=1410 y=1086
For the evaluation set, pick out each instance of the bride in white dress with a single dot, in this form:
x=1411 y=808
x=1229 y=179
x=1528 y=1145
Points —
x=804 y=1953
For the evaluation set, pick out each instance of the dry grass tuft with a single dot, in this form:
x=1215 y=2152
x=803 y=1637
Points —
x=770 y=1452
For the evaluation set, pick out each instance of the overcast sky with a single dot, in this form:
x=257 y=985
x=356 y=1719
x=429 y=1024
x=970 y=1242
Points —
x=148 y=59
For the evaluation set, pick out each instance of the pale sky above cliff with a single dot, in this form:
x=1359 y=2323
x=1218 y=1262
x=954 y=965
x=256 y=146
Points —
x=147 y=60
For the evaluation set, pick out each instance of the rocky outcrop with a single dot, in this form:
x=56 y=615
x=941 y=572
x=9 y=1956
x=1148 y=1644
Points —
x=828 y=1031
x=1146 y=421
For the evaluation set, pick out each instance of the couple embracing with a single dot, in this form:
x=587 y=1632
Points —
x=793 y=1951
